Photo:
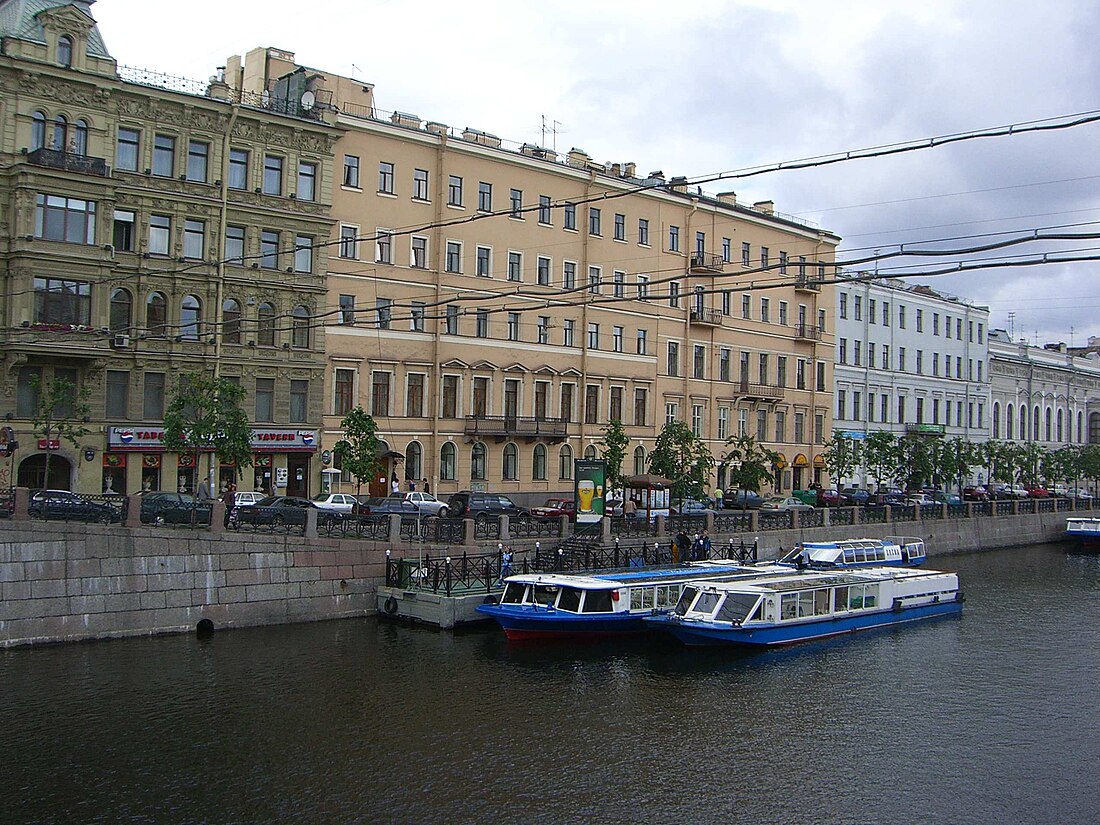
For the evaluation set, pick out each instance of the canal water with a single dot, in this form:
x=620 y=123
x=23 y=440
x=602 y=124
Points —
x=991 y=717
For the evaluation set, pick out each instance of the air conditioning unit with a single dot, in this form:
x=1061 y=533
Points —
x=120 y=342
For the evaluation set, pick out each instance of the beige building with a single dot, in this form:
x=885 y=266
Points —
x=494 y=307
x=155 y=227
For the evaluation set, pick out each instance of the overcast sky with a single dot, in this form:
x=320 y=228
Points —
x=707 y=86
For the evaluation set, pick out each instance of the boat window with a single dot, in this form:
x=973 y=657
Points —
x=647 y=598
x=806 y=603
x=870 y=595
x=570 y=600
x=686 y=598
x=597 y=601
x=667 y=596
x=707 y=601
x=544 y=594
x=513 y=593
x=849 y=556
x=641 y=598
x=788 y=606
x=736 y=607
x=840 y=599
x=821 y=602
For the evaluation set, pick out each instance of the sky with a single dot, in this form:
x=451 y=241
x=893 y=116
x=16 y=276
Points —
x=718 y=86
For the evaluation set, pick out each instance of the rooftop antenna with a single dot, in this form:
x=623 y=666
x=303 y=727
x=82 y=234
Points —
x=553 y=128
x=1071 y=335
x=1012 y=326
x=354 y=69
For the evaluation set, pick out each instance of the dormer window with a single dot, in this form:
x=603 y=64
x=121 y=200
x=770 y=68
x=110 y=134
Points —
x=65 y=51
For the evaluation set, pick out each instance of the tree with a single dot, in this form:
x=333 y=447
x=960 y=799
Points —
x=59 y=415
x=748 y=464
x=954 y=460
x=358 y=450
x=681 y=457
x=880 y=456
x=206 y=416
x=841 y=457
x=614 y=444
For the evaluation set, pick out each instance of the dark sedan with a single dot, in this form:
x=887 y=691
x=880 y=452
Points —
x=278 y=511
x=174 y=508
x=64 y=505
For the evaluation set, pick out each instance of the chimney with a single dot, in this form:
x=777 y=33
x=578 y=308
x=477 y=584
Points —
x=767 y=207
x=728 y=197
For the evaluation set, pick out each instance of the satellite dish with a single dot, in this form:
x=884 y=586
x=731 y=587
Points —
x=308 y=99
x=265 y=98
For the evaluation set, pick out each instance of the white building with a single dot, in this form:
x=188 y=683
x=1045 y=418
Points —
x=909 y=360
x=1048 y=394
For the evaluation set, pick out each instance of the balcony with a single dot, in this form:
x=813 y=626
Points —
x=806 y=283
x=53 y=159
x=705 y=262
x=706 y=317
x=501 y=427
x=807 y=332
x=759 y=392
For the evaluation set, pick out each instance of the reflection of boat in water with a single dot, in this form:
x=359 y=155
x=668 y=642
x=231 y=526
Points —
x=904 y=551
x=548 y=605
x=1084 y=533
x=796 y=607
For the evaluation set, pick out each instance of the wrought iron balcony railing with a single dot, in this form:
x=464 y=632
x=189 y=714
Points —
x=509 y=426
x=69 y=161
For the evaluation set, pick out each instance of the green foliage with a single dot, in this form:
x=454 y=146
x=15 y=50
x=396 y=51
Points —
x=880 y=456
x=748 y=464
x=59 y=414
x=614 y=444
x=358 y=450
x=841 y=457
x=206 y=415
x=681 y=457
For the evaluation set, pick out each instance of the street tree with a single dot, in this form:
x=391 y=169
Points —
x=682 y=457
x=954 y=459
x=358 y=449
x=206 y=415
x=613 y=447
x=841 y=457
x=748 y=465
x=880 y=456
x=59 y=415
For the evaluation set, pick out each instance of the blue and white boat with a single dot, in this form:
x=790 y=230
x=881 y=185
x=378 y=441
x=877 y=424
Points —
x=1084 y=533
x=805 y=605
x=900 y=551
x=558 y=605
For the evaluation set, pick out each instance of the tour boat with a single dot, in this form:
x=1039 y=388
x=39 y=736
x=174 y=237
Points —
x=804 y=605
x=1084 y=532
x=556 y=605
x=902 y=551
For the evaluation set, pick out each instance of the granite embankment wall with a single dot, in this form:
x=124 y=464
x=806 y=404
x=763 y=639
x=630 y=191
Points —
x=68 y=582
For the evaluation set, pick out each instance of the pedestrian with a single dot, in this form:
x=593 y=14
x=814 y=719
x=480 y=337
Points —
x=719 y=499
x=704 y=546
x=229 y=498
x=505 y=565
x=424 y=481
x=630 y=509
x=696 y=548
x=395 y=486
x=204 y=491
x=681 y=546
x=412 y=486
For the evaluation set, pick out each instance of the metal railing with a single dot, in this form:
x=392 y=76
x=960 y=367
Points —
x=534 y=527
x=69 y=162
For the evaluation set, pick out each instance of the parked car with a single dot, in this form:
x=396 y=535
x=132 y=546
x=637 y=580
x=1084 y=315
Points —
x=65 y=505
x=555 y=507
x=943 y=497
x=855 y=496
x=1037 y=491
x=742 y=500
x=483 y=506
x=893 y=499
x=246 y=497
x=279 y=510
x=695 y=507
x=1009 y=491
x=920 y=500
x=387 y=505
x=1080 y=493
x=427 y=504
x=781 y=503
x=1059 y=489
x=975 y=494
x=338 y=502
x=830 y=497
x=174 y=508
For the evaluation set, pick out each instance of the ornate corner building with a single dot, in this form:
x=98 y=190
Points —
x=155 y=227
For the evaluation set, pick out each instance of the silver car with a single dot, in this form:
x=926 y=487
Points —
x=427 y=504
x=777 y=503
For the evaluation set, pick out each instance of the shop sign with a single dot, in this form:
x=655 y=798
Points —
x=266 y=440
x=49 y=444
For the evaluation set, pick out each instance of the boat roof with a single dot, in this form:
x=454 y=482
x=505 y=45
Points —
x=693 y=571
x=808 y=580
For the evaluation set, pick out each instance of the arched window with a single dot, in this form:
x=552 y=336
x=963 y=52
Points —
x=1023 y=422
x=156 y=313
x=38 y=130
x=1047 y=430
x=1080 y=427
x=122 y=304
x=1010 y=425
x=265 y=325
x=538 y=463
x=1035 y=424
x=80 y=138
x=1094 y=428
x=300 y=328
x=1061 y=427
x=565 y=462
x=996 y=420
x=60 y=129
x=65 y=50
x=477 y=462
x=190 y=317
x=231 y=321
x=639 y=460
x=590 y=452
x=412 y=461
x=447 y=461
x=511 y=462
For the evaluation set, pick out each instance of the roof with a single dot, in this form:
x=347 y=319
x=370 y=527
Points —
x=19 y=18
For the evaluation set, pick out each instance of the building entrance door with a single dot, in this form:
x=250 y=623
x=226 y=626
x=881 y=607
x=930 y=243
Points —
x=297 y=482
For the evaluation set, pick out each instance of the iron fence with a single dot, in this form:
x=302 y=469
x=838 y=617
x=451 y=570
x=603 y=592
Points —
x=779 y=520
x=811 y=518
x=632 y=526
x=534 y=527
x=732 y=522
x=356 y=526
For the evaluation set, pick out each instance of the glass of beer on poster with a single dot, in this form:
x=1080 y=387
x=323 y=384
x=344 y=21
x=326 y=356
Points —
x=589 y=488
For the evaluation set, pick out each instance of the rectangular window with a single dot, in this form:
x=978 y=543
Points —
x=542 y=400
x=481 y=323
x=901 y=359
x=841 y=404
x=544 y=210
x=842 y=351
x=920 y=410
x=765 y=306
x=515 y=266
x=674 y=294
x=761 y=425
x=160 y=231
x=515 y=198
x=901 y=316
x=383 y=310
x=764 y=257
x=901 y=409
x=542 y=273
x=543 y=329
x=307 y=181
x=673 y=363
x=349 y=242
x=303 y=253
x=920 y=320
x=454 y=190
x=643 y=232
x=700 y=242
x=640 y=404
x=567 y=402
x=385 y=177
x=380 y=393
x=198 y=159
x=164 y=156
x=238 y=168
x=513 y=326
x=920 y=362
x=418 y=249
x=800 y=374
x=568 y=275
x=66 y=219
x=265 y=399
x=615 y=406
x=780 y=426
x=448 y=404
x=420 y=185
x=672 y=411
x=194 y=239
x=351 y=171
x=344 y=392
x=594 y=279
x=885 y=313
x=781 y=371
x=485 y=197
x=782 y=263
x=981 y=333
x=620 y=226
x=724 y=359
x=269 y=249
x=299 y=401
x=783 y=315
x=619 y=284
x=451 y=320
x=799 y=428
x=347 y=310
x=616 y=339
x=674 y=239
x=858 y=307
x=453 y=262
x=870 y=310
x=820 y=376
x=383 y=246
x=416 y=316
x=593 y=335
x=641 y=342
x=857 y=352
x=698 y=361
x=570 y=217
x=118 y=394
x=273 y=175
x=726 y=251
x=152 y=408
x=568 y=330
x=127 y=150
x=643 y=288
x=746 y=307
x=723 y=423
x=234 y=244
x=843 y=309
x=697 y=420
x=591 y=403
x=414 y=395
x=122 y=235
x=594 y=221
x=484 y=262
x=746 y=254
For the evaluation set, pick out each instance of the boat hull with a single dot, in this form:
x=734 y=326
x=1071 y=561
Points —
x=1085 y=540
x=698 y=634
x=525 y=624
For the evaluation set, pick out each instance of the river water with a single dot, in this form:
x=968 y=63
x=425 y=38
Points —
x=993 y=717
